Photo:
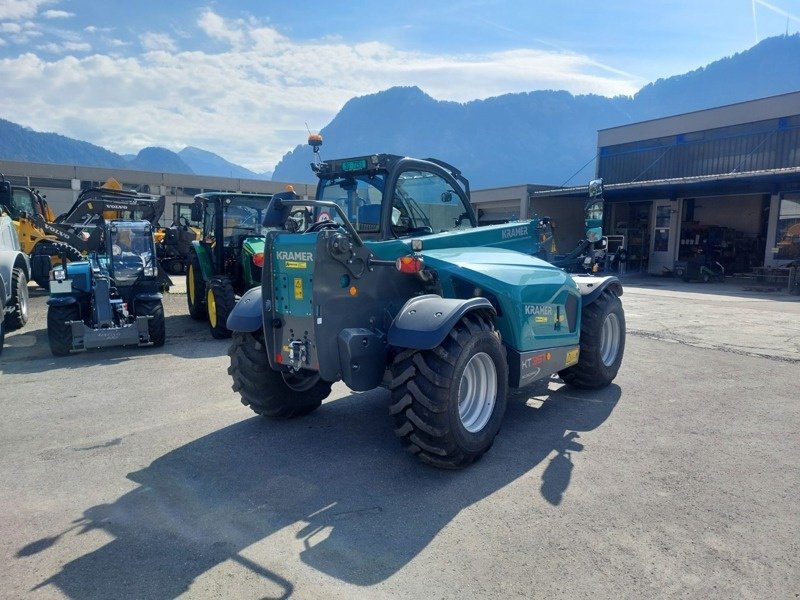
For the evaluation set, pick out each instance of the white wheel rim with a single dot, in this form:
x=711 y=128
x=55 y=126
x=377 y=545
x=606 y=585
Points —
x=609 y=339
x=23 y=301
x=477 y=392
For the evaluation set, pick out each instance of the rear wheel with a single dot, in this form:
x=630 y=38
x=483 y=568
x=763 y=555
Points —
x=156 y=328
x=195 y=290
x=220 y=301
x=19 y=300
x=59 y=331
x=267 y=392
x=448 y=403
x=602 y=344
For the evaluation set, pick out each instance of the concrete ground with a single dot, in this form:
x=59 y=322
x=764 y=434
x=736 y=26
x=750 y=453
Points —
x=137 y=473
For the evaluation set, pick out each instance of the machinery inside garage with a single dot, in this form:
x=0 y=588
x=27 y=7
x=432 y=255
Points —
x=731 y=230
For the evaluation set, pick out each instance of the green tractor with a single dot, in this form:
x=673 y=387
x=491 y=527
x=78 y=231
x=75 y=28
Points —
x=227 y=259
x=395 y=284
x=110 y=298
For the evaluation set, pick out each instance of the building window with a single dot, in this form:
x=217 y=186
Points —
x=787 y=235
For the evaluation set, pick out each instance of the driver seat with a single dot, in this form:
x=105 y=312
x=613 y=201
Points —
x=369 y=217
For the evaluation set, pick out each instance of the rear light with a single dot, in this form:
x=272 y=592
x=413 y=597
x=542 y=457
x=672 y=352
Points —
x=409 y=264
x=258 y=259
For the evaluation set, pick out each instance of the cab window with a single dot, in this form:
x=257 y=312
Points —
x=23 y=201
x=426 y=203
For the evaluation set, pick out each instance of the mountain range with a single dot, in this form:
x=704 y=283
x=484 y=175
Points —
x=540 y=137
x=545 y=136
x=23 y=144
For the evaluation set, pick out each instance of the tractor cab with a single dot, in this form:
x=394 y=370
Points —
x=130 y=252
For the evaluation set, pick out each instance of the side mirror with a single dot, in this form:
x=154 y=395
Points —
x=595 y=188
x=197 y=212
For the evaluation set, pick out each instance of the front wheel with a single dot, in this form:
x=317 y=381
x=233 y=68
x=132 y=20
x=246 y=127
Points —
x=602 y=344
x=448 y=403
x=220 y=300
x=59 y=331
x=156 y=328
x=270 y=393
x=19 y=300
x=195 y=290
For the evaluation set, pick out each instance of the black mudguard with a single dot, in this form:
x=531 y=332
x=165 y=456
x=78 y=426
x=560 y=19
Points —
x=61 y=300
x=425 y=321
x=591 y=287
x=247 y=314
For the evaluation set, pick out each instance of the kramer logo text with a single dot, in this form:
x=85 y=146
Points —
x=515 y=232
x=286 y=255
x=538 y=309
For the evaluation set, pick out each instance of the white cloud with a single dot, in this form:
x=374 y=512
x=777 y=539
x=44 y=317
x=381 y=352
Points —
x=57 y=14
x=65 y=47
x=157 y=41
x=21 y=9
x=218 y=28
x=96 y=29
x=20 y=32
x=249 y=102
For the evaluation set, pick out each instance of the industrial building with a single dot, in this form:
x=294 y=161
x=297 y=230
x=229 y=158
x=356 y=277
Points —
x=724 y=182
x=61 y=184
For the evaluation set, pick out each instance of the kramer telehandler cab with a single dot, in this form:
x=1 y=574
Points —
x=414 y=295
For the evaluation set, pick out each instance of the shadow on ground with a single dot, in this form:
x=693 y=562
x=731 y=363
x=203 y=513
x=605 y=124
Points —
x=28 y=350
x=361 y=506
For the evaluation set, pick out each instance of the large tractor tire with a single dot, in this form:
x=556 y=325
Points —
x=195 y=290
x=19 y=301
x=220 y=300
x=270 y=393
x=156 y=327
x=59 y=331
x=448 y=403
x=602 y=344
x=50 y=249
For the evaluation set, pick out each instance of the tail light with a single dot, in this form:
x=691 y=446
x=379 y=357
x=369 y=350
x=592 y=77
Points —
x=258 y=259
x=409 y=264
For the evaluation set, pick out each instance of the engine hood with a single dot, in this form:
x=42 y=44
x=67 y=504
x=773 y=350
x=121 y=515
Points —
x=519 y=286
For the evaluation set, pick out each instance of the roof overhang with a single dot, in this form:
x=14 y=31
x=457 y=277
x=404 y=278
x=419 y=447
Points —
x=752 y=182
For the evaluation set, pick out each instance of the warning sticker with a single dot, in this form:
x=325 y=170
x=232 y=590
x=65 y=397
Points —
x=572 y=357
x=298 y=288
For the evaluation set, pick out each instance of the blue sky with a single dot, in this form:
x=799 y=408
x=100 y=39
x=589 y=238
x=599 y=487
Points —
x=242 y=78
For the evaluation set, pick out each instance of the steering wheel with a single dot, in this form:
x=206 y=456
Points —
x=320 y=225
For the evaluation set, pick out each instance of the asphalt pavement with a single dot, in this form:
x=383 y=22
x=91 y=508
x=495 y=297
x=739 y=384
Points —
x=137 y=473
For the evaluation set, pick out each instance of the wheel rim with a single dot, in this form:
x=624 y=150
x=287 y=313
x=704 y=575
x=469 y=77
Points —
x=212 y=308
x=609 y=339
x=300 y=382
x=477 y=392
x=23 y=299
x=190 y=277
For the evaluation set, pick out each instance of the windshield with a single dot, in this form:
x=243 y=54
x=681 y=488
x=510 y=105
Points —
x=243 y=217
x=131 y=249
x=423 y=203
x=359 y=198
